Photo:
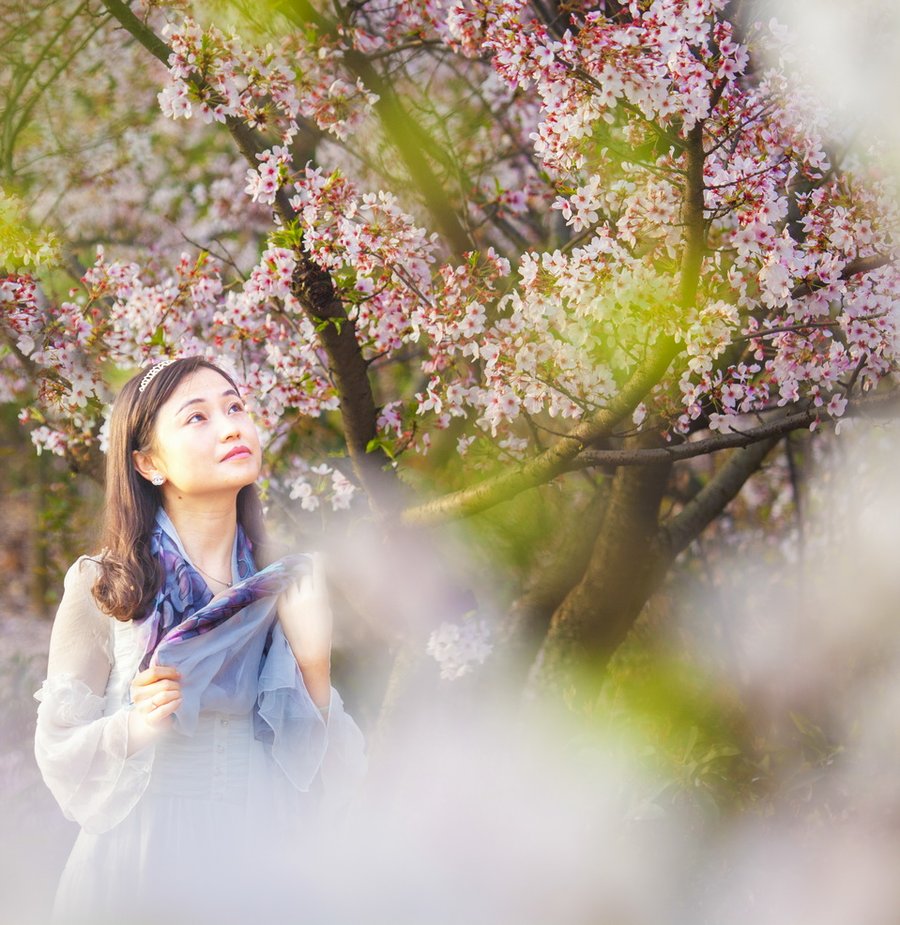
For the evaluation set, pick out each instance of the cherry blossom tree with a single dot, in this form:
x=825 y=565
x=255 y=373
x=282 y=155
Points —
x=473 y=258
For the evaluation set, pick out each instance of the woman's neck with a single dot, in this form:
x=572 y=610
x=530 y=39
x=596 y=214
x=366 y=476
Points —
x=207 y=535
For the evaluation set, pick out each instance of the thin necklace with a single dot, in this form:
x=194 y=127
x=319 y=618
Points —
x=227 y=584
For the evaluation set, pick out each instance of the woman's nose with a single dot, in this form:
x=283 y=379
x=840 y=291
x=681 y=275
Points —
x=230 y=428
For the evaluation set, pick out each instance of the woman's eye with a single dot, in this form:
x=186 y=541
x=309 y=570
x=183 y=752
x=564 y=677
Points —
x=196 y=414
x=237 y=406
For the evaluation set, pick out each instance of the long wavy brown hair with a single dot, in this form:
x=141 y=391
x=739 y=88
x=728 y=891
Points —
x=129 y=574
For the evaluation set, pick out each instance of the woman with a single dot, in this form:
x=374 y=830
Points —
x=187 y=723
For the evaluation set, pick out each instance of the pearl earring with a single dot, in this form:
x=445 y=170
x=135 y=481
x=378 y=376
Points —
x=158 y=479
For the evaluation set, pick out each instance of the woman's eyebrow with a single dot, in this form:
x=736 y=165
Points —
x=201 y=401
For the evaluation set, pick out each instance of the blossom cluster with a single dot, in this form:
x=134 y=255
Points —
x=311 y=485
x=57 y=350
x=378 y=256
x=562 y=343
x=663 y=62
x=271 y=88
x=459 y=647
x=782 y=260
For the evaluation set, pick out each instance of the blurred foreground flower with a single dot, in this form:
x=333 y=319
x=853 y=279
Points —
x=458 y=647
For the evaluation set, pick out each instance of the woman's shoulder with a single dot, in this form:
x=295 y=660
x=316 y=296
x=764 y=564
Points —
x=80 y=629
x=78 y=590
x=83 y=572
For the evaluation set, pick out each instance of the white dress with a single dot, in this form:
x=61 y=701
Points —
x=193 y=828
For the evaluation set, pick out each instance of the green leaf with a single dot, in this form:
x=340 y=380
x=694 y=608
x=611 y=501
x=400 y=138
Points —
x=381 y=443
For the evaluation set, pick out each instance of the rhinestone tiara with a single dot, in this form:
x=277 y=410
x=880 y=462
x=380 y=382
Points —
x=156 y=369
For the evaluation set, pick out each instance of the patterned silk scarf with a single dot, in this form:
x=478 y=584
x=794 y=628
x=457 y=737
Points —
x=184 y=607
x=232 y=653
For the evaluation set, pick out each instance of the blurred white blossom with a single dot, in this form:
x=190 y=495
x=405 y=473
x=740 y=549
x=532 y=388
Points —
x=458 y=647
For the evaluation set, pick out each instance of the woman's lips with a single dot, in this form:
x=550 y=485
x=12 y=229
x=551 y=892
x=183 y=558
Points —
x=239 y=452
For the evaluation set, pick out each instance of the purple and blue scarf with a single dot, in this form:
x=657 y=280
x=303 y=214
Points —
x=231 y=651
x=184 y=607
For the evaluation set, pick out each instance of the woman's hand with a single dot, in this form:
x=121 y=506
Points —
x=156 y=693
x=305 y=617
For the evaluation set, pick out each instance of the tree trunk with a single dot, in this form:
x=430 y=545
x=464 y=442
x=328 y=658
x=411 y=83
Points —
x=525 y=624
x=596 y=615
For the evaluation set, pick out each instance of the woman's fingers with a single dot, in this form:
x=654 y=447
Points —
x=157 y=704
x=148 y=690
x=157 y=714
x=155 y=699
x=156 y=692
x=154 y=675
x=152 y=691
x=164 y=697
x=156 y=695
x=157 y=673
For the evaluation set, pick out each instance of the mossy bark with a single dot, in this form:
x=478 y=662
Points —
x=623 y=570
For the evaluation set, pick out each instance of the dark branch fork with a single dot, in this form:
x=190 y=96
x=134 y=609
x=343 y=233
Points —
x=779 y=425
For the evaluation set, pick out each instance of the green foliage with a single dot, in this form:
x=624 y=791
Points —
x=50 y=513
x=513 y=538
x=383 y=443
x=289 y=236
x=21 y=245
x=260 y=19
x=686 y=729
x=66 y=526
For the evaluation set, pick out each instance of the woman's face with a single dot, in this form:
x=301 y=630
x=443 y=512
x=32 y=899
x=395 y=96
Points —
x=204 y=442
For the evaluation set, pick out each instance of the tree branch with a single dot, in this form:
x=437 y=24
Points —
x=728 y=481
x=553 y=460
x=888 y=404
x=121 y=12
x=556 y=458
x=713 y=498
x=12 y=110
x=412 y=142
x=725 y=441
x=694 y=241
x=860 y=265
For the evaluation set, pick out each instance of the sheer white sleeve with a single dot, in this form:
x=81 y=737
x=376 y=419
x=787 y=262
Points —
x=81 y=740
x=344 y=764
